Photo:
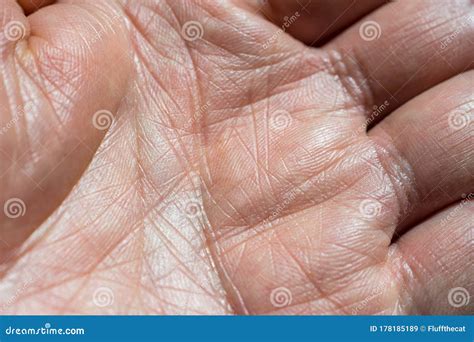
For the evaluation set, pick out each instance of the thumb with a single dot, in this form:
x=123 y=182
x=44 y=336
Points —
x=59 y=67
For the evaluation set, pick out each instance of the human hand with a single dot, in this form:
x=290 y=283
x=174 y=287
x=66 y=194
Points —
x=236 y=174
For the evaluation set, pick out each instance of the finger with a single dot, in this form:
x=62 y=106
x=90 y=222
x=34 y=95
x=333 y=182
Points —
x=58 y=70
x=434 y=262
x=404 y=48
x=429 y=148
x=29 y=6
x=313 y=22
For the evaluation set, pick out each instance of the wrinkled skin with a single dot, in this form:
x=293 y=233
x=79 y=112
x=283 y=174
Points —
x=238 y=175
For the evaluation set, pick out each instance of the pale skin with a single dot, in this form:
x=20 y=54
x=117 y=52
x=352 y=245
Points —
x=238 y=175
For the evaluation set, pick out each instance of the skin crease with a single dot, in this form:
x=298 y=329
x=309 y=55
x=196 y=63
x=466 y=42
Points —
x=237 y=176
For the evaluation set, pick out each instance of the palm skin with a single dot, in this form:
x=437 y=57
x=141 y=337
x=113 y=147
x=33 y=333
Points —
x=234 y=179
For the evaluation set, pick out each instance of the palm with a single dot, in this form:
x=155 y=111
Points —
x=234 y=178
